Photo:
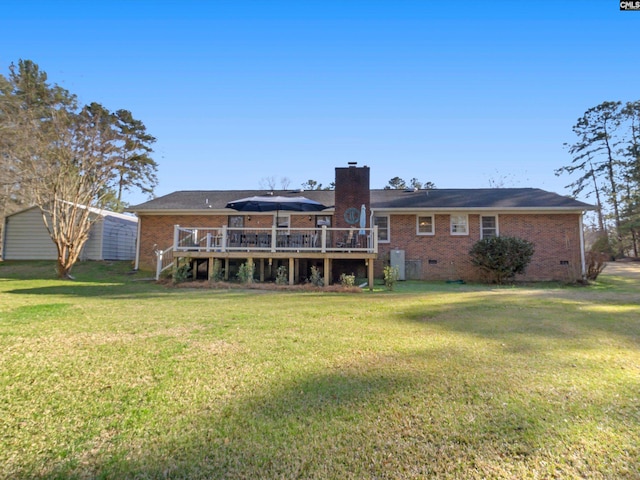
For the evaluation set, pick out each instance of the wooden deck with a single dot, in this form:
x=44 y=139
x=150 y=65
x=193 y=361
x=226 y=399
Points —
x=266 y=246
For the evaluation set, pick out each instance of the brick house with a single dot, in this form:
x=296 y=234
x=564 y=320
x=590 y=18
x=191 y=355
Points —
x=427 y=234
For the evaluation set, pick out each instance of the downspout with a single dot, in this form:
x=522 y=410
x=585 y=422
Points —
x=5 y=221
x=582 y=254
x=137 y=263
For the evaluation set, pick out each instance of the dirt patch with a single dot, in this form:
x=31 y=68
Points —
x=260 y=287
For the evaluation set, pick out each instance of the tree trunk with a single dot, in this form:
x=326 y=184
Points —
x=614 y=192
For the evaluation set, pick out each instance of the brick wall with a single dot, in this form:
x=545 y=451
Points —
x=156 y=231
x=443 y=256
x=352 y=191
x=438 y=257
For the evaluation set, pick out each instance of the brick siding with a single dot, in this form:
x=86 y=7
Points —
x=443 y=256
x=156 y=231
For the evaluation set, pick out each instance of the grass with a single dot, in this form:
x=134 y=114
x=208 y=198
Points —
x=112 y=377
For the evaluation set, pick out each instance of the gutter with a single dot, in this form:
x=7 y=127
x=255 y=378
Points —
x=137 y=262
x=582 y=253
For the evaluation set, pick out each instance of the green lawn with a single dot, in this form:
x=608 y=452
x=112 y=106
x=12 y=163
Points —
x=112 y=377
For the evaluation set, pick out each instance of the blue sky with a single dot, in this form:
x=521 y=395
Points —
x=457 y=93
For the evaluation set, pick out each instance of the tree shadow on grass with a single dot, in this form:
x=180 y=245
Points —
x=371 y=421
x=560 y=316
x=104 y=290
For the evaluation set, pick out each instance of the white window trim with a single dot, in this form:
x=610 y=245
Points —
x=458 y=234
x=283 y=215
x=433 y=225
x=497 y=225
x=388 y=240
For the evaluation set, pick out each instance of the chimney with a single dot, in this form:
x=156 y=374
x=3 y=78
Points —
x=352 y=191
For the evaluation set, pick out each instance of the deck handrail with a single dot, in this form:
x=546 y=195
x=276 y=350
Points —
x=275 y=239
x=164 y=261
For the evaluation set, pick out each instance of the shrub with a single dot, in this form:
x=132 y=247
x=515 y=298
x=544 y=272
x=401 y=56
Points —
x=596 y=261
x=316 y=277
x=347 y=280
x=182 y=273
x=282 y=276
x=391 y=275
x=217 y=275
x=501 y=258
x=245 y=272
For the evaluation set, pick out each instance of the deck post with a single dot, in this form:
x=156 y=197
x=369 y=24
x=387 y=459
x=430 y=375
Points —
x=176 y=265
x=224 y=239
x=370 y=273
x=274 y=237
x=324 y=241
x=159 y=254
x=176 y=236
x=375 y=239
x=327 y=271
x=226 y=269
x=262 y=269
x=291 y=271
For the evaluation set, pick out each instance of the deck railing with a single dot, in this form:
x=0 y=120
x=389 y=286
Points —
x=164 y=261
x=318 y=240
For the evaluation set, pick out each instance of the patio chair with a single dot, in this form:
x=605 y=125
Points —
x=349 y=241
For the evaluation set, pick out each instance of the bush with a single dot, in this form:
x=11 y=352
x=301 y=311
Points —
x=347 y=280
x=501 y=258
x=602 y=247
x=596 y=261
x=245 y=272
x=391 y=275
x=217 y=275
x=316 y=277
x=282 y=276
x=182 y=273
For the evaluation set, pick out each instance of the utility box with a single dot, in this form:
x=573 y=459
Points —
x=397 y=261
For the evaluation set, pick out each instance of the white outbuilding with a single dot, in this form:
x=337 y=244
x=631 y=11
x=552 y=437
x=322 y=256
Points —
x=112 y=237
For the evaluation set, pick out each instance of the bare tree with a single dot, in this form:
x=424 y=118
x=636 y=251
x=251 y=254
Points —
x=68 y=167
x=268 y=183
x=65 y=158
x=284 y=183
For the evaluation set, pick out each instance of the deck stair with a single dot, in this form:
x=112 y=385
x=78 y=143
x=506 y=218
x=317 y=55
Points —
x=164 y=261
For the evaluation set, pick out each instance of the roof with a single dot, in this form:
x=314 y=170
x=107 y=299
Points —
x=399 y=200
x=198 y=200
x=97 y=211
x=478 y=198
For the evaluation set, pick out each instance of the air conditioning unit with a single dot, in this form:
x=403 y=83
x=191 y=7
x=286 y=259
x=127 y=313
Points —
x=397 y=261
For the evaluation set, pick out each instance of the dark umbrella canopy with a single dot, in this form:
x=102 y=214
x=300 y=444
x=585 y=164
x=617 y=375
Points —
x=273 y=204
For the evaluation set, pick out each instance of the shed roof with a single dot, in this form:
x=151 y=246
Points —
x=97 y=211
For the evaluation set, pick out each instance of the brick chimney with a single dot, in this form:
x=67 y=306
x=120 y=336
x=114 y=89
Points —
x=352 y=191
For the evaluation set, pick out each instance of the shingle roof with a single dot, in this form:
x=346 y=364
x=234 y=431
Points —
x=480 y=198
x=436 y=199
x=217 y=199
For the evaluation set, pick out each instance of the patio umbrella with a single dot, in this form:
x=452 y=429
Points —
x=363 y=219
x=266 y=203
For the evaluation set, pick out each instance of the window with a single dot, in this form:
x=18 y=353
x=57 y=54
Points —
x=383 y=228
x=283 y=221
x=459 y=225
x=425 y=225
x=236 y=221
x=488 y=226
x=323 y=220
